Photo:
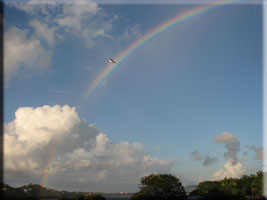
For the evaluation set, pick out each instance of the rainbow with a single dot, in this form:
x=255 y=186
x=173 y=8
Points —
x=48 y=163
x=125 y=53
x=148 y=36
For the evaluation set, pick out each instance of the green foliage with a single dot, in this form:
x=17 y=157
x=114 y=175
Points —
x=204 y=188
x=232 y=189
x=160 y=186
x=94 y=197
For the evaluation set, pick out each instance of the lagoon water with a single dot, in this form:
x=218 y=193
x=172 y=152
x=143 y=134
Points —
x=118 y=197
x=107 y=198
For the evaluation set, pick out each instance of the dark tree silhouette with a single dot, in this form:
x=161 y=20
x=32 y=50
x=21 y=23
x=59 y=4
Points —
x=160 y=186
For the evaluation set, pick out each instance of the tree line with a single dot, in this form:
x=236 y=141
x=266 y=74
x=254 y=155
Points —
x=169 y=187
x=246 y=187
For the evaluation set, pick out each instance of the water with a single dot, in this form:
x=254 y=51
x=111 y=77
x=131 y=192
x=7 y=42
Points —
x=126 y=197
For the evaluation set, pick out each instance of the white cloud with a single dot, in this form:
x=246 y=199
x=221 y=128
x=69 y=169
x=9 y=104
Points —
x=23 y=55
x=232 y=145
x=229 y=170
x=48 y=122
x=34 y=7
x=81 y=18
x=80 y=155
x=43 y=31
x=86 y=20
x=225 y=137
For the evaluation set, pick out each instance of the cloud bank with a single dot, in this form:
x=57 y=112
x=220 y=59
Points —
x=83 y=157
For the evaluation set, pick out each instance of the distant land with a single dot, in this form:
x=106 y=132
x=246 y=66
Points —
x=33 y=191
x=190 y=188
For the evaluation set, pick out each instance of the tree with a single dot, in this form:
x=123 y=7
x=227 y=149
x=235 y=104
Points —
x=232 y=188
x=205 y=187
x=257 y=185
x=160 y=186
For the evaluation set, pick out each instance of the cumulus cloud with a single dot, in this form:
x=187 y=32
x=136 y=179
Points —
x=24 y=54
x=78 y=155
x=25 y=51
x=86 y=20
x=35 y=7
x=209 y=161
x=232 y=145
x=225 y=137
x=196 y=156
x=82 y=18
x=43 y=31
x=229 y=170
x=258 y=152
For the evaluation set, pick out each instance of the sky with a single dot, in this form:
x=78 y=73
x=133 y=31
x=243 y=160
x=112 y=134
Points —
x=187 y=102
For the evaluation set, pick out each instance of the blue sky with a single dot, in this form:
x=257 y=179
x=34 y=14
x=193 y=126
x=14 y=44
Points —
x=190 y=91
